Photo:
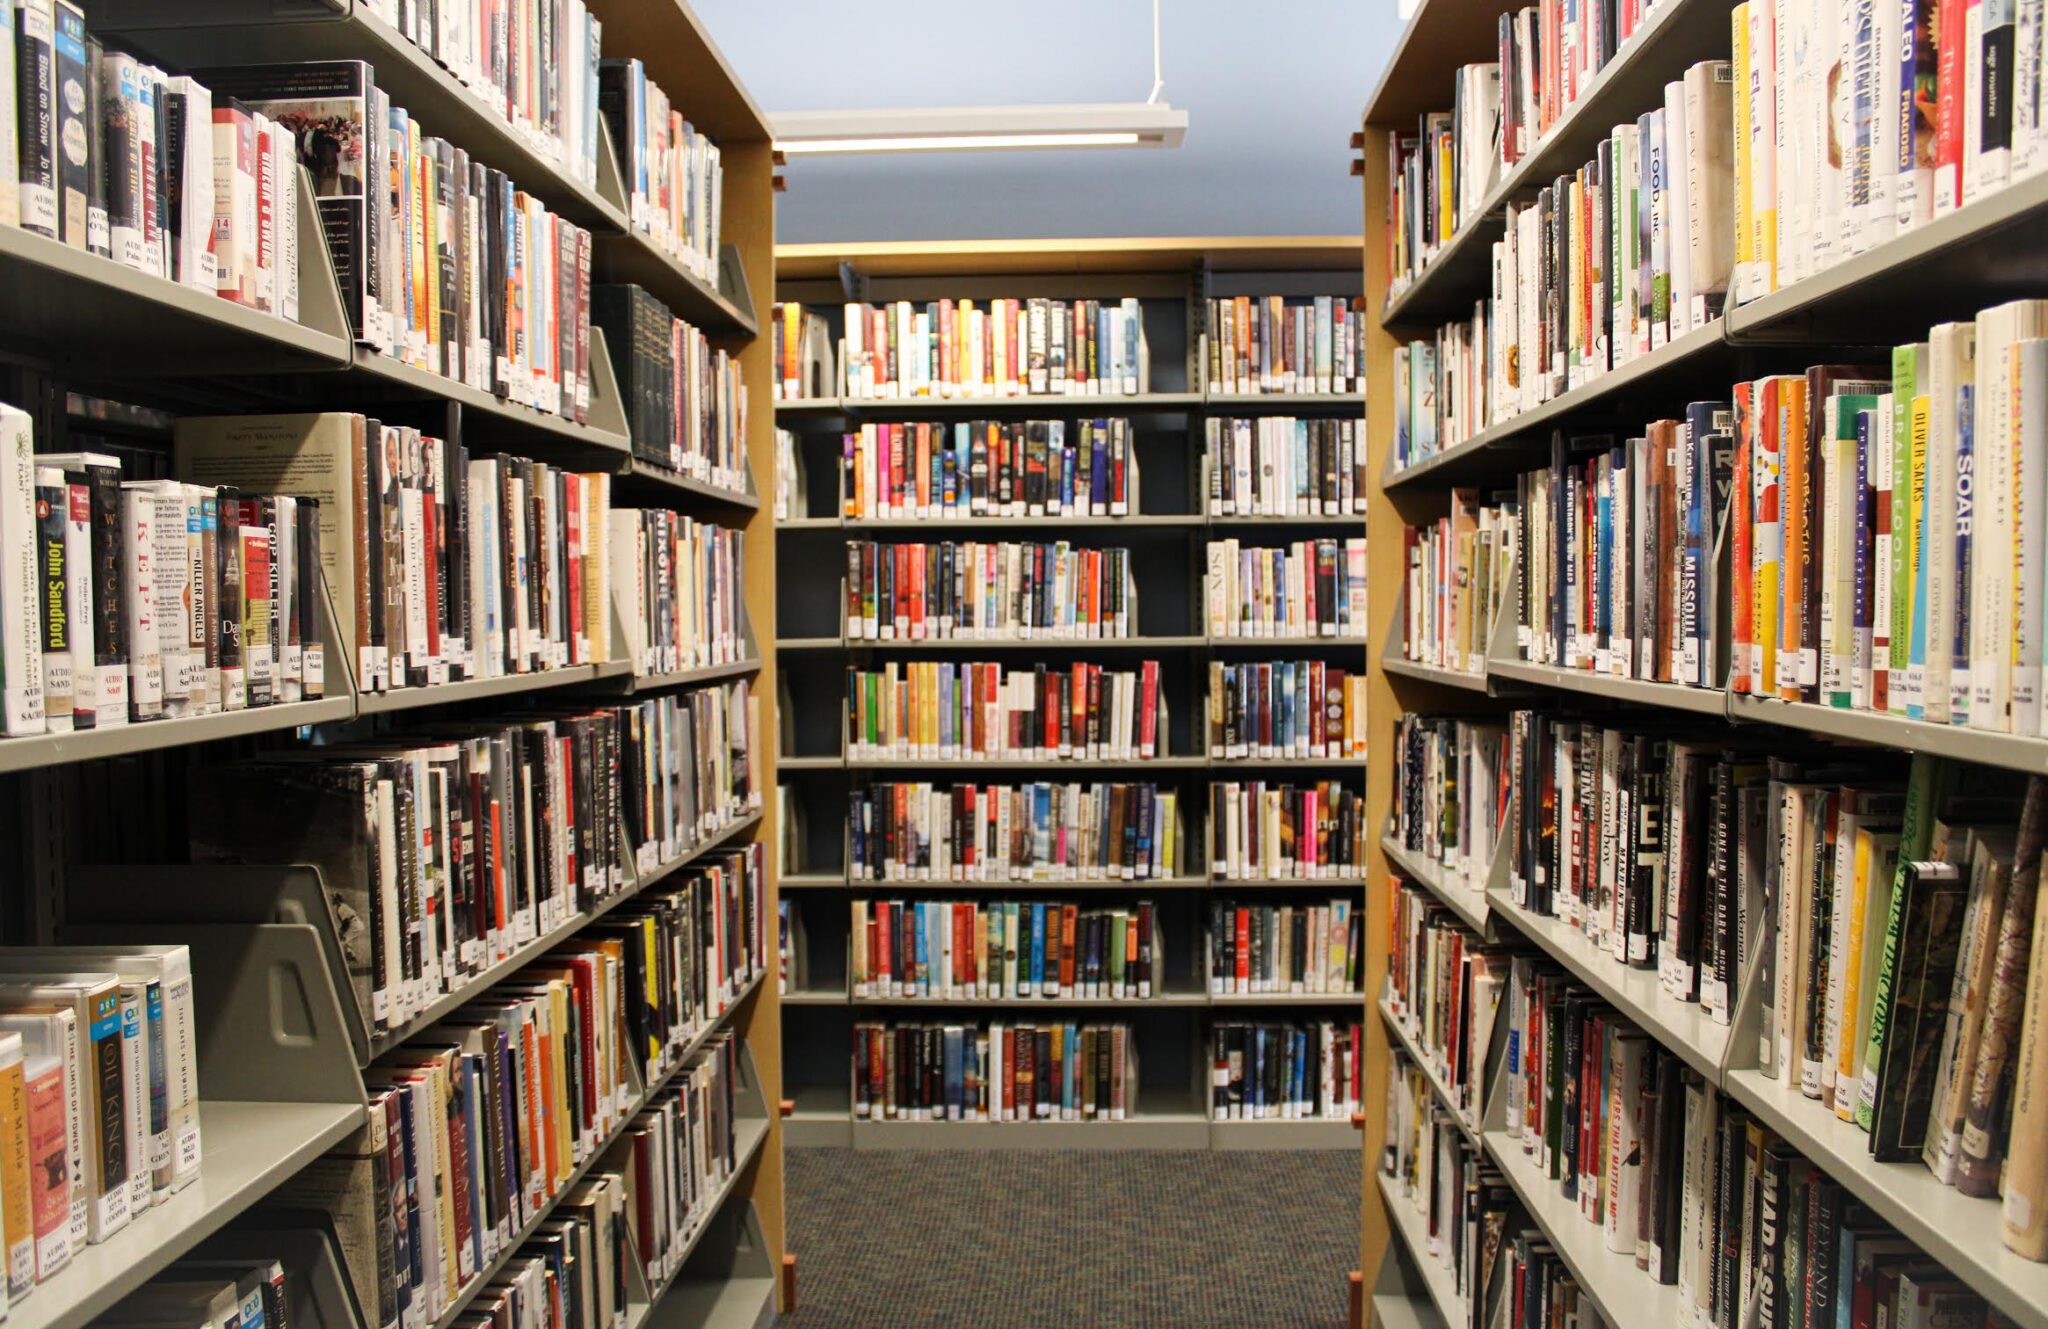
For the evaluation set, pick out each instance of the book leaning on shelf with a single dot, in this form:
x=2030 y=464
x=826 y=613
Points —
x=534 y=64
x=1293 y=948
x=441 y=565
x=1280 y=466
x=460 y=274
x=1263 y=830
x=1444 y=987
x=990 y=468
x=676 y=591
x=1044 y=831
x=1060 y=1072
x=1309 y=588
x=146 y=599
x=1458 y=581
x=947 y=710
x=674 y=176
x=1000 y=348
x=685 y=399
x=1630 y=251
x=1266 y=1072
x=792 y=485
x=1275 y=709
x=1452 y=782
x=1004 y=590
x=1283 y=346
x=99 y=1098
x=955 y=950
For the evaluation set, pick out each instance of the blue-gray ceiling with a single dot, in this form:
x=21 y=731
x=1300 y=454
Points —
x=1272 y=88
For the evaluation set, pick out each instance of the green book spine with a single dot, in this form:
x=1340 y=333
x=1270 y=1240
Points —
x=1905 y=522
x=1918 y=826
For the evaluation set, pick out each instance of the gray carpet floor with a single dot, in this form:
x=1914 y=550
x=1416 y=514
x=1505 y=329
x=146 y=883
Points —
x=1124 y=1240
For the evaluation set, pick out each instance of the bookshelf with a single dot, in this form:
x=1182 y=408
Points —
x=282 y=1046
x=1978 y=255
x=1172 y=278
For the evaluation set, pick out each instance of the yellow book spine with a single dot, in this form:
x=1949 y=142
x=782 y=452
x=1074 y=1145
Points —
x=1745 y=220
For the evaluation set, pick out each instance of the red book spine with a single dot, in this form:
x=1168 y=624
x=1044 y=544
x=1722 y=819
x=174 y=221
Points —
x=1241 y=951
x=881 y=952
x=1148 y=709
x=1948 y=105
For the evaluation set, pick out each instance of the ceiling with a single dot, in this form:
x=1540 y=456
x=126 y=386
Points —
x=1272 y=88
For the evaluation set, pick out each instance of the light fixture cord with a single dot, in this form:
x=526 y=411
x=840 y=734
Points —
x=1157 y=81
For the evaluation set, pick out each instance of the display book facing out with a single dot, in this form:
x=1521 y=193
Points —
x=1102 y=875
x=1803 y=1159
x=275 y=1135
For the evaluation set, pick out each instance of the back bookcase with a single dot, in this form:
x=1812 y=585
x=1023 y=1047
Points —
x=1167 y=534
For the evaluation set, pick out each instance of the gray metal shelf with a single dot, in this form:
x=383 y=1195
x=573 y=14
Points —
x=1468 y=903
x=1426 y=1063
x=33 y=752
x=750 y=1132
x=254 y=1148
x=635 y=475
x=474 y=689
x=486 y=413
x=1437 y=1277
x=2015 y=752
x=1284 y=1133
x=634 y=257
x=1174 y=1130
x=1642 y=692
x=1443 y=678
x=98 y=317
x=1702 y=352
x=1053 y=403
x=1258 y=1000
x=1279 y=403
x=1638 y=994
x=630 y=684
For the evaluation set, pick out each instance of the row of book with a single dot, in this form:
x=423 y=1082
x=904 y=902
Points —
x=209 y=1291
x=999 y=348
x=1444 y=987
x=1268 y=1072
x=1308 y=588
x=1451 y=792
x=1288 y=948
x=162 y=173
x=674 y=176
x=998 y=590
x=678 y=591
x=1277 y=345
x=1042 y=831
x=1941 y=115
x=1629 y=252
x=960 y=950
x=487 y=1118
x=952 y=710
x=685 y=399
x=457 y=854
x=534 y=63
x=139 y=600
x=441 y=565
x=99 y=1097
x=1274 y=709
x=1549 y=55
x=1059 y=1072
x=989 y=468
x=1281 y=466
x=459 y=273
x=1615 y=546
x=1261 y=830
x=1457 y=570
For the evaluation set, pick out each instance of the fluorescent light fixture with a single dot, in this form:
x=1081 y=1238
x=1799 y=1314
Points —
x=981 y=128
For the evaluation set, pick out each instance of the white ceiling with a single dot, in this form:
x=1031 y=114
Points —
x=1273 y=90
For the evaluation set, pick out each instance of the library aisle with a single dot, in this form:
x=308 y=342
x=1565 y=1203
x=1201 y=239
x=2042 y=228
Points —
x=1085 y=1226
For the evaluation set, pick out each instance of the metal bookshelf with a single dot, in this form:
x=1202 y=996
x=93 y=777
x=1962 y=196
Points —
x=1167 y=533
x=81 y=323
x=1984 y=252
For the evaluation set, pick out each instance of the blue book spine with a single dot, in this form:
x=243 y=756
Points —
x=953 y=1073
x=1041 y=823
x=1037 y=944
x=1603 y=566
x=921 y=931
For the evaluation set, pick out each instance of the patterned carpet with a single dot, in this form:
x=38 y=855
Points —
x=1124 y=1240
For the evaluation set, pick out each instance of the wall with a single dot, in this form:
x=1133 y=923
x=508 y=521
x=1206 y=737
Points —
x=1273 y=90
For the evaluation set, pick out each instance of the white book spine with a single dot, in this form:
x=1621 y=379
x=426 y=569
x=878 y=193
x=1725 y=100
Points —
x=21 y=643
x=138 y=603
